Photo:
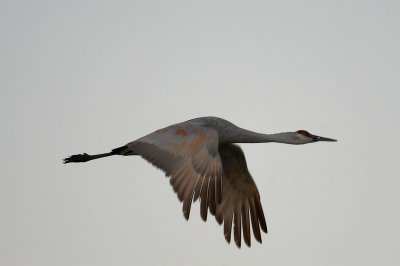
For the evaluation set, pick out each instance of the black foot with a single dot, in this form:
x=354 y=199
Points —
x=78 y=158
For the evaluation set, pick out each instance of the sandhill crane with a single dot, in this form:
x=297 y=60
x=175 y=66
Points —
x=203 y=163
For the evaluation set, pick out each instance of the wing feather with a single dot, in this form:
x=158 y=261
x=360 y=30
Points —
x=188 y=154
x=260 y=215
x=240 y=198
x=237 y=225
x=204 y=200
x=217 y=175
x=246 y=223
x=228 y=227
x=254 y=221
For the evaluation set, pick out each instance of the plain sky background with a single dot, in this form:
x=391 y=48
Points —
x=89 y=76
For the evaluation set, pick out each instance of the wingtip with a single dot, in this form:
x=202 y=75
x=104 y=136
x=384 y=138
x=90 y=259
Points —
x=219 y=219
x=228 y=238
x=238 y=244
x=204 y=216
x=264 y=228
x=186 y=214
x=248 y=242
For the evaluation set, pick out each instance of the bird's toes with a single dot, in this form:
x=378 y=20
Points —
x=77 y=158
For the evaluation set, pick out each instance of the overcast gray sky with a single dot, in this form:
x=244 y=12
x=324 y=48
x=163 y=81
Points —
x=89 y=76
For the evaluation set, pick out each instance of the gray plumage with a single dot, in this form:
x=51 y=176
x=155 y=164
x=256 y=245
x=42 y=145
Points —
x=203 y=164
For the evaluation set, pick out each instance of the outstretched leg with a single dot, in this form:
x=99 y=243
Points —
x=84 y=157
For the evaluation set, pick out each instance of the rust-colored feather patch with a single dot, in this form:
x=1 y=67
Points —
x=181 y=132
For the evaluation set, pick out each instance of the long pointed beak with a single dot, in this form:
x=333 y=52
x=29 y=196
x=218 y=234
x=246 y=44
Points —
x=318 y=138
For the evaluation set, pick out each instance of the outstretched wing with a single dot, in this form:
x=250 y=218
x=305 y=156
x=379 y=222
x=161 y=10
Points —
x=188 y=153
x=240 y=198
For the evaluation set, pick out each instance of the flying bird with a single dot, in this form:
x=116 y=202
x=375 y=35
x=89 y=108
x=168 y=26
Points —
x=204 y=164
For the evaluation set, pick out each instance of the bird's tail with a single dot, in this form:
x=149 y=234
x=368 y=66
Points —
x=124 y=150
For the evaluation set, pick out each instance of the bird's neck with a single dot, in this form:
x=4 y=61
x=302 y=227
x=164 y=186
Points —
x=240 y=135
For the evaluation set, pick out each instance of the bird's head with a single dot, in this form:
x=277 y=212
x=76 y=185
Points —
x=304 y=137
